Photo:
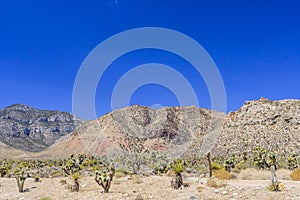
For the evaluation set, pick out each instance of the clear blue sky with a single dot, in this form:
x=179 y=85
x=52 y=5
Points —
x=255 y=45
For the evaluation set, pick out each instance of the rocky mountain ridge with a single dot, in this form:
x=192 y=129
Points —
x=31 y=129
x=191 y=131
x=186 y=131
x=270 y=125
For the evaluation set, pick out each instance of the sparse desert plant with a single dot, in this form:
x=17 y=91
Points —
x=209 y=164
x=137 y=179
x=276 y=185
x=104 y=177
x=264 y=159
x=36 y=178
x=222 y=174
x=178 y=167
x=75 y=186
x=293 y=161
x=2 y=171
x=72 y=169
x=216 y=183
x=63 y=181
x=230 y=163
x=295 y=175
x=20 y=175
x=5 y=167
x=216 y=166
x=120 y=172
x=160 y=168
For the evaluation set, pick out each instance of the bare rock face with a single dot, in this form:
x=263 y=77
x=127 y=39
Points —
x=271 y=125
x=30 y=129
x=175 y=130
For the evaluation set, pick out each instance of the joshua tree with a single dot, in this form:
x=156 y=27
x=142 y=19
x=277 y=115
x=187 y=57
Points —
x=178 y=167
x=105 y=177
x=209 y=164
x=72 y=169
x=20 y=176
x=2 y=171
x=75 y=177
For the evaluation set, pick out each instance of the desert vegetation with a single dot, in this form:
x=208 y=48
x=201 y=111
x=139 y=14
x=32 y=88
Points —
x=69 y=172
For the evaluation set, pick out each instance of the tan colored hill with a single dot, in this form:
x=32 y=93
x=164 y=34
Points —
x=174 y=130
x=10 y=152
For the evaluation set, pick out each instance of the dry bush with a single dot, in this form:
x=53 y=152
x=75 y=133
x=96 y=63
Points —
x=216 y=166
x=216 y=183
x=222 y=174
x=295 y=175
x=278 y=187
x=137 y=179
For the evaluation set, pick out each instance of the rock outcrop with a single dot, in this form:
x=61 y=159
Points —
x=30 y=129
x=270 y=125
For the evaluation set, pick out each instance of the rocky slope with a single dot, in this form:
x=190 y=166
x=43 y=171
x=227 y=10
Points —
x=174 y=130
x=190 y=131
x=186 y=131
x=30 y=129
x=272 y=125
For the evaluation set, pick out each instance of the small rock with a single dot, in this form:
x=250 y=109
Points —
x=224 y=192
x=217 y=191
x=235 y=194
x=193 y=197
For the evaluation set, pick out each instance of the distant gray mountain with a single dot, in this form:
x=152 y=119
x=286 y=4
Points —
x=31 y=129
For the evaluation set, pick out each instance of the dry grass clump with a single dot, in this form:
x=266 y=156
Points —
x=278 y=187
x=222 y=174
x=295 y=175
x=137 y=179
x=216 y=183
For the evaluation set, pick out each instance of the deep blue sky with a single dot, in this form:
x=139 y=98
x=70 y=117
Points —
x=255 y=45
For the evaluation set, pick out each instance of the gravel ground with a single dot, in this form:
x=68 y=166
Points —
x=153 y=187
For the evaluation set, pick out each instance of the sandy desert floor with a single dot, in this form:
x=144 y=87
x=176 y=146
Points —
x=152 y=187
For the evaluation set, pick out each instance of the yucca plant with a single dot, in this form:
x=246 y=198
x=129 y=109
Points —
x=76 y=176
x=105 y=177
x=72 y=169
x=20 y=175
x=178 y=167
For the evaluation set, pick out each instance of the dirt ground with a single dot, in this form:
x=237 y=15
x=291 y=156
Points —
x=152 y=187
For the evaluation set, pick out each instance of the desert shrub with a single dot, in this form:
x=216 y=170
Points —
x=293 y=162
x=178 y=167
x=216 y=166
x=216 y=183
x=241 y=165
x=263 y=158
x=295 y=175
x=277 y=187
x=222 y=174
x=160 y=168
x=137 y=179
x=36 y=178
x=63 y=181
x=230 y=163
